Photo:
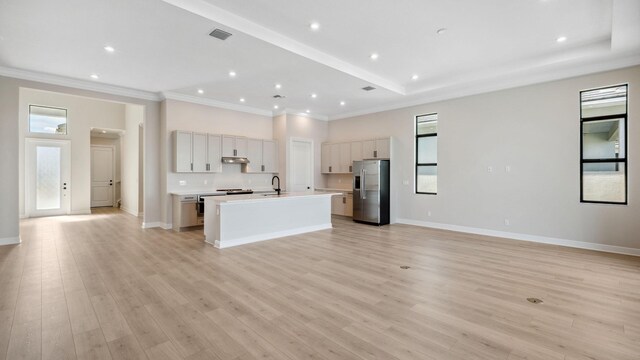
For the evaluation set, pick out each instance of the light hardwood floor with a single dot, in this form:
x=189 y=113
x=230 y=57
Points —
x=99 y=287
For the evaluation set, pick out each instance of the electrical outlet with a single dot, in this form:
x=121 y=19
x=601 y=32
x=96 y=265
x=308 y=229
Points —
x=405 y=182
x=489 y=168
x=428 y=213
x=206 y=182
x=507 y=222
x=249 y=181
x=507 y=168
x=339 y=181
x=183 y=183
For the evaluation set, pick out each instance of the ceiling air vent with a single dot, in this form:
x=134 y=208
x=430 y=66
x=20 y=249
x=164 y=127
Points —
x=278 y=96
x=220 y=34
x=368 y=88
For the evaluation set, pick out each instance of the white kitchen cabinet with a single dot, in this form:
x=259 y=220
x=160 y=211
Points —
x=356 y=151
x=234 y=146
x=325 y=158
x=376 y=149
x=199 y=152
x=196 y=152
x=254 y=154
x=182 y=151
x=262 y=155
x=345 y=157
x=270 y=156
x=214 y=153
x=342 y=204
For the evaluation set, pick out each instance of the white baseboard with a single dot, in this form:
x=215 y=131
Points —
x=160 y=224
x=128 y=211
x=10 y=240
x=268 y=236
x=525 y=237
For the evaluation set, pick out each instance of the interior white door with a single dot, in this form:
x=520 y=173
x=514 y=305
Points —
x=102 y=176
x=47 y=175
x=301 y=155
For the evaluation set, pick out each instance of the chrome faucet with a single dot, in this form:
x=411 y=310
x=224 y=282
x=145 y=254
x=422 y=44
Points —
x=278 y=188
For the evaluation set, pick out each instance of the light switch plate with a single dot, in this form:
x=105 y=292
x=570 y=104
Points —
x=183 y=183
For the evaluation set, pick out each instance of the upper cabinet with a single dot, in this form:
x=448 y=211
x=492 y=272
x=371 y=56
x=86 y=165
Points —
x=262 y=155
x=234 y=146
x=376 y=149
x=338 y=158
x=196 y=152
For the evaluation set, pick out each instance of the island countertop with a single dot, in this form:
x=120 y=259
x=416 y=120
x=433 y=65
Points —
x=266 y=197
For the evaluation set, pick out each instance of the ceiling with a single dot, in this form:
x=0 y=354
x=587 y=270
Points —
x=163 y=47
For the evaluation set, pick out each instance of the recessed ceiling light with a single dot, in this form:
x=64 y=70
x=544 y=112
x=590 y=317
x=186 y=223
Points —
x=414 y=77
x=200 y=91
x=275 y=107
x=95 y=76
x=232 y=73
x=308 y=111
x=441 y=31
x=374 y=56
x=314 y=95
x=109 y=49
x=342 y=103
x=278 y=86
x=314 y=26
x=561 y=39
x=241 y=99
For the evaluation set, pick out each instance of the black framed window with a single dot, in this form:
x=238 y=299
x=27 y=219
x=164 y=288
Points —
x=603 y=145
x=427 y=154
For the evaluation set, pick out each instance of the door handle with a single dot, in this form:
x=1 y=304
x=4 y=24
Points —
x=350 y=168
x=363 y=186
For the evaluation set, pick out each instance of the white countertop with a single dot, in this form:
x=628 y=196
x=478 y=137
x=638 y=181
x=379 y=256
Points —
x=335 y=189
x=270 y=197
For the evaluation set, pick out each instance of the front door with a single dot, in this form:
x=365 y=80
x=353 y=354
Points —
x=301 y=177
x=47 y=175
x=102 y=171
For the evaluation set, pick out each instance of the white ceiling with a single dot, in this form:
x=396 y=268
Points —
x=164 y=47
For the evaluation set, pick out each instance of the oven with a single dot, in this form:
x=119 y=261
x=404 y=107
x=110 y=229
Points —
x=221 y=192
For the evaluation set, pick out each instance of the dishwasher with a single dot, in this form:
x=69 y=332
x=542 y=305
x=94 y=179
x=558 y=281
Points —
x=188 y=214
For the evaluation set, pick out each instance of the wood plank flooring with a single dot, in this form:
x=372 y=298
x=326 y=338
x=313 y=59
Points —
x=99 y=287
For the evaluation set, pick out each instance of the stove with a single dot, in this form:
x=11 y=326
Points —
x=236 y=191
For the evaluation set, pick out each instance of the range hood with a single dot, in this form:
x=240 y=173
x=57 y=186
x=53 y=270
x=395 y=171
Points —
x=234 y=160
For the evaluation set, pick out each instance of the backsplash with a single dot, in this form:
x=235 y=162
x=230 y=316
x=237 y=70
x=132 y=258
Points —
x=230 y=177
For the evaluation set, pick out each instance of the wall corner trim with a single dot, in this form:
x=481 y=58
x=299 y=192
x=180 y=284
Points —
x=14 y=240
x=525 y=237
x=156 y=224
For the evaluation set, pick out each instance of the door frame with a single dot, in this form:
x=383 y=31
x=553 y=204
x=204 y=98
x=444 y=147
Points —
x=29 y=175
x=113 y=173
x=289 y=163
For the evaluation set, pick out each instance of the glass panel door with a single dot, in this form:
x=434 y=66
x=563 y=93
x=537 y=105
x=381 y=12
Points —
x=47 y=174
x=48 y=182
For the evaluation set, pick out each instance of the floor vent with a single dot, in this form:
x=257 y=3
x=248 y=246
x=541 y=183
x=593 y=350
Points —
x=534 y=300
x=404 y=267
x=368 y=88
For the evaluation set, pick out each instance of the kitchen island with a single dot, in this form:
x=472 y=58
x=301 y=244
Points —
x=243 y=219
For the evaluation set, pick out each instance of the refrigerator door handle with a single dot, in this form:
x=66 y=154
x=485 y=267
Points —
x=363 y=186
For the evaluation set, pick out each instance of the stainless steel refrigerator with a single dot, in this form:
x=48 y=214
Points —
x=371 y=191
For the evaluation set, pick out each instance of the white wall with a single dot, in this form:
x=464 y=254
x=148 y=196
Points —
x=134 y=115
x=82 y=114
x=9 y=195
x=536 y=131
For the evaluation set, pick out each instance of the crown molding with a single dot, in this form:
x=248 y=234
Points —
x=486 y=86
x=77 y=83
x=215 y=103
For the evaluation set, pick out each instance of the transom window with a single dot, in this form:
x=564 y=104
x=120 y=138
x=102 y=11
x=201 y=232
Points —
x=427 y=154
x=603 y=140
x=47 y=120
